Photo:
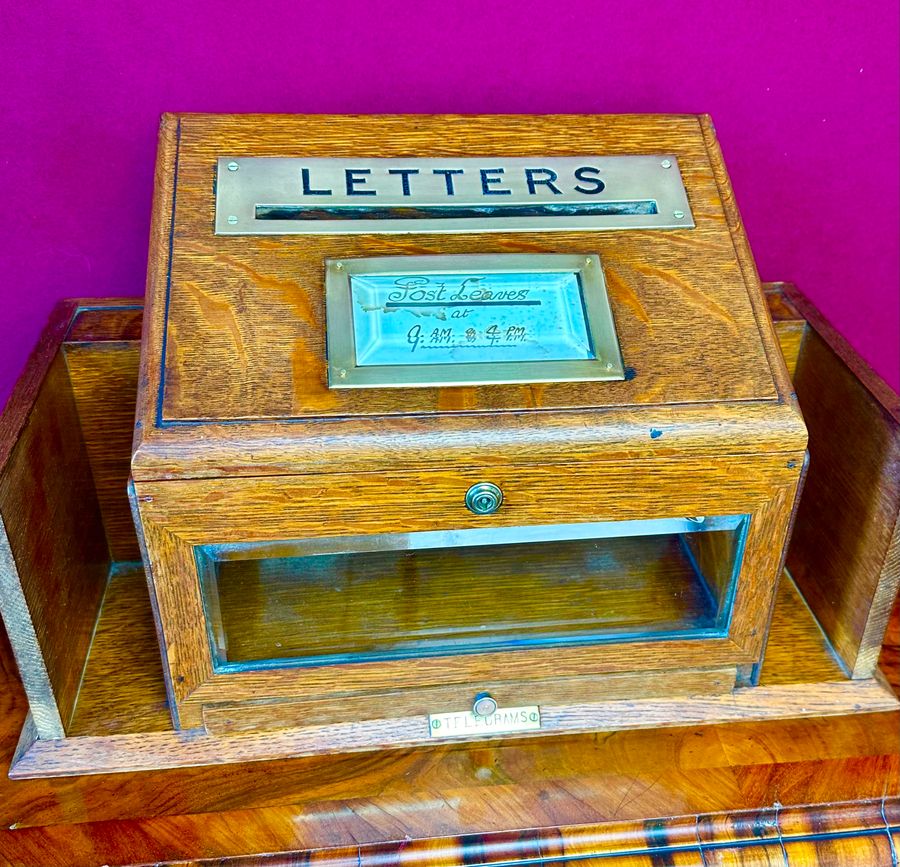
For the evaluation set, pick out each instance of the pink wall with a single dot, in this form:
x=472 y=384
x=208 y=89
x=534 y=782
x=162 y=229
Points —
x=804 y=96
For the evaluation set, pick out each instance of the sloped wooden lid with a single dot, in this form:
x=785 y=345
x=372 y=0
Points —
x=235 y=332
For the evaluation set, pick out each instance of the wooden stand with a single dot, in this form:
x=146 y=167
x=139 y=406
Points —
x=601 y=786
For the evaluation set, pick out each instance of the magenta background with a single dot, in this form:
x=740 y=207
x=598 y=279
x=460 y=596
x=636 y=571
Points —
x=804 y=97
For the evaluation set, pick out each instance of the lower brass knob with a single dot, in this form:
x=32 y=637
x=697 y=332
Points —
x=484 y=704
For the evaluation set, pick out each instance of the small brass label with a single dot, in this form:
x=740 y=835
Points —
x=465 y=723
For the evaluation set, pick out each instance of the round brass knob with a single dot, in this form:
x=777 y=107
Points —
x=484 y=704
x=484 y=498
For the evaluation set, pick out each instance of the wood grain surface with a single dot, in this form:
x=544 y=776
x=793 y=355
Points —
x=104 y=383
x=54 y=556
x=246 y=314
x=106 y=320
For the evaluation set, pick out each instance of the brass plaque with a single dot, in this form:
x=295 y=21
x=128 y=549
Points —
x=324 y=195
x=485 y=319
x=467 y=724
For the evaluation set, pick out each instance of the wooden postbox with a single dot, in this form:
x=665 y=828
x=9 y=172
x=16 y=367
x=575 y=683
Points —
x=457 y=418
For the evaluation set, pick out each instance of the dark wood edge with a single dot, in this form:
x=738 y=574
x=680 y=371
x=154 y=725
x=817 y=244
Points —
x=162 y=227
x=781 y=308
x=45 y=719
x=97 y=321
x=743 y=835
x=82 y=301
x=874 y=384
x=14 y=415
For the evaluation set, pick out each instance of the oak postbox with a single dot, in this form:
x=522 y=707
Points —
x=455 y=416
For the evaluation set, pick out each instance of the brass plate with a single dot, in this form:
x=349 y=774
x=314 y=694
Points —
x=466 y=724
x=323 y=195
x=402 y=321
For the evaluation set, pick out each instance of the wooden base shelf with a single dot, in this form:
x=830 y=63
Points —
x=802 y=678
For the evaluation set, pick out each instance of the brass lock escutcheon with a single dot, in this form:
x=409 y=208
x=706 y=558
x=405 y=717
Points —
x=484 y=498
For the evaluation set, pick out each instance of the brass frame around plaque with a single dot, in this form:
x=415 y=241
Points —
x=343 y=371
x=313 y=195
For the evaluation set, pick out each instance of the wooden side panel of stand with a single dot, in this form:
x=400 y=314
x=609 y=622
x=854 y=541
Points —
x=102 y=351
x=55 y=558
x=104 y=381
x=845 y=550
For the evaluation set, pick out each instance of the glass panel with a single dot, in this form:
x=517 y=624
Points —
x=468 y=317
x=366 y=598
